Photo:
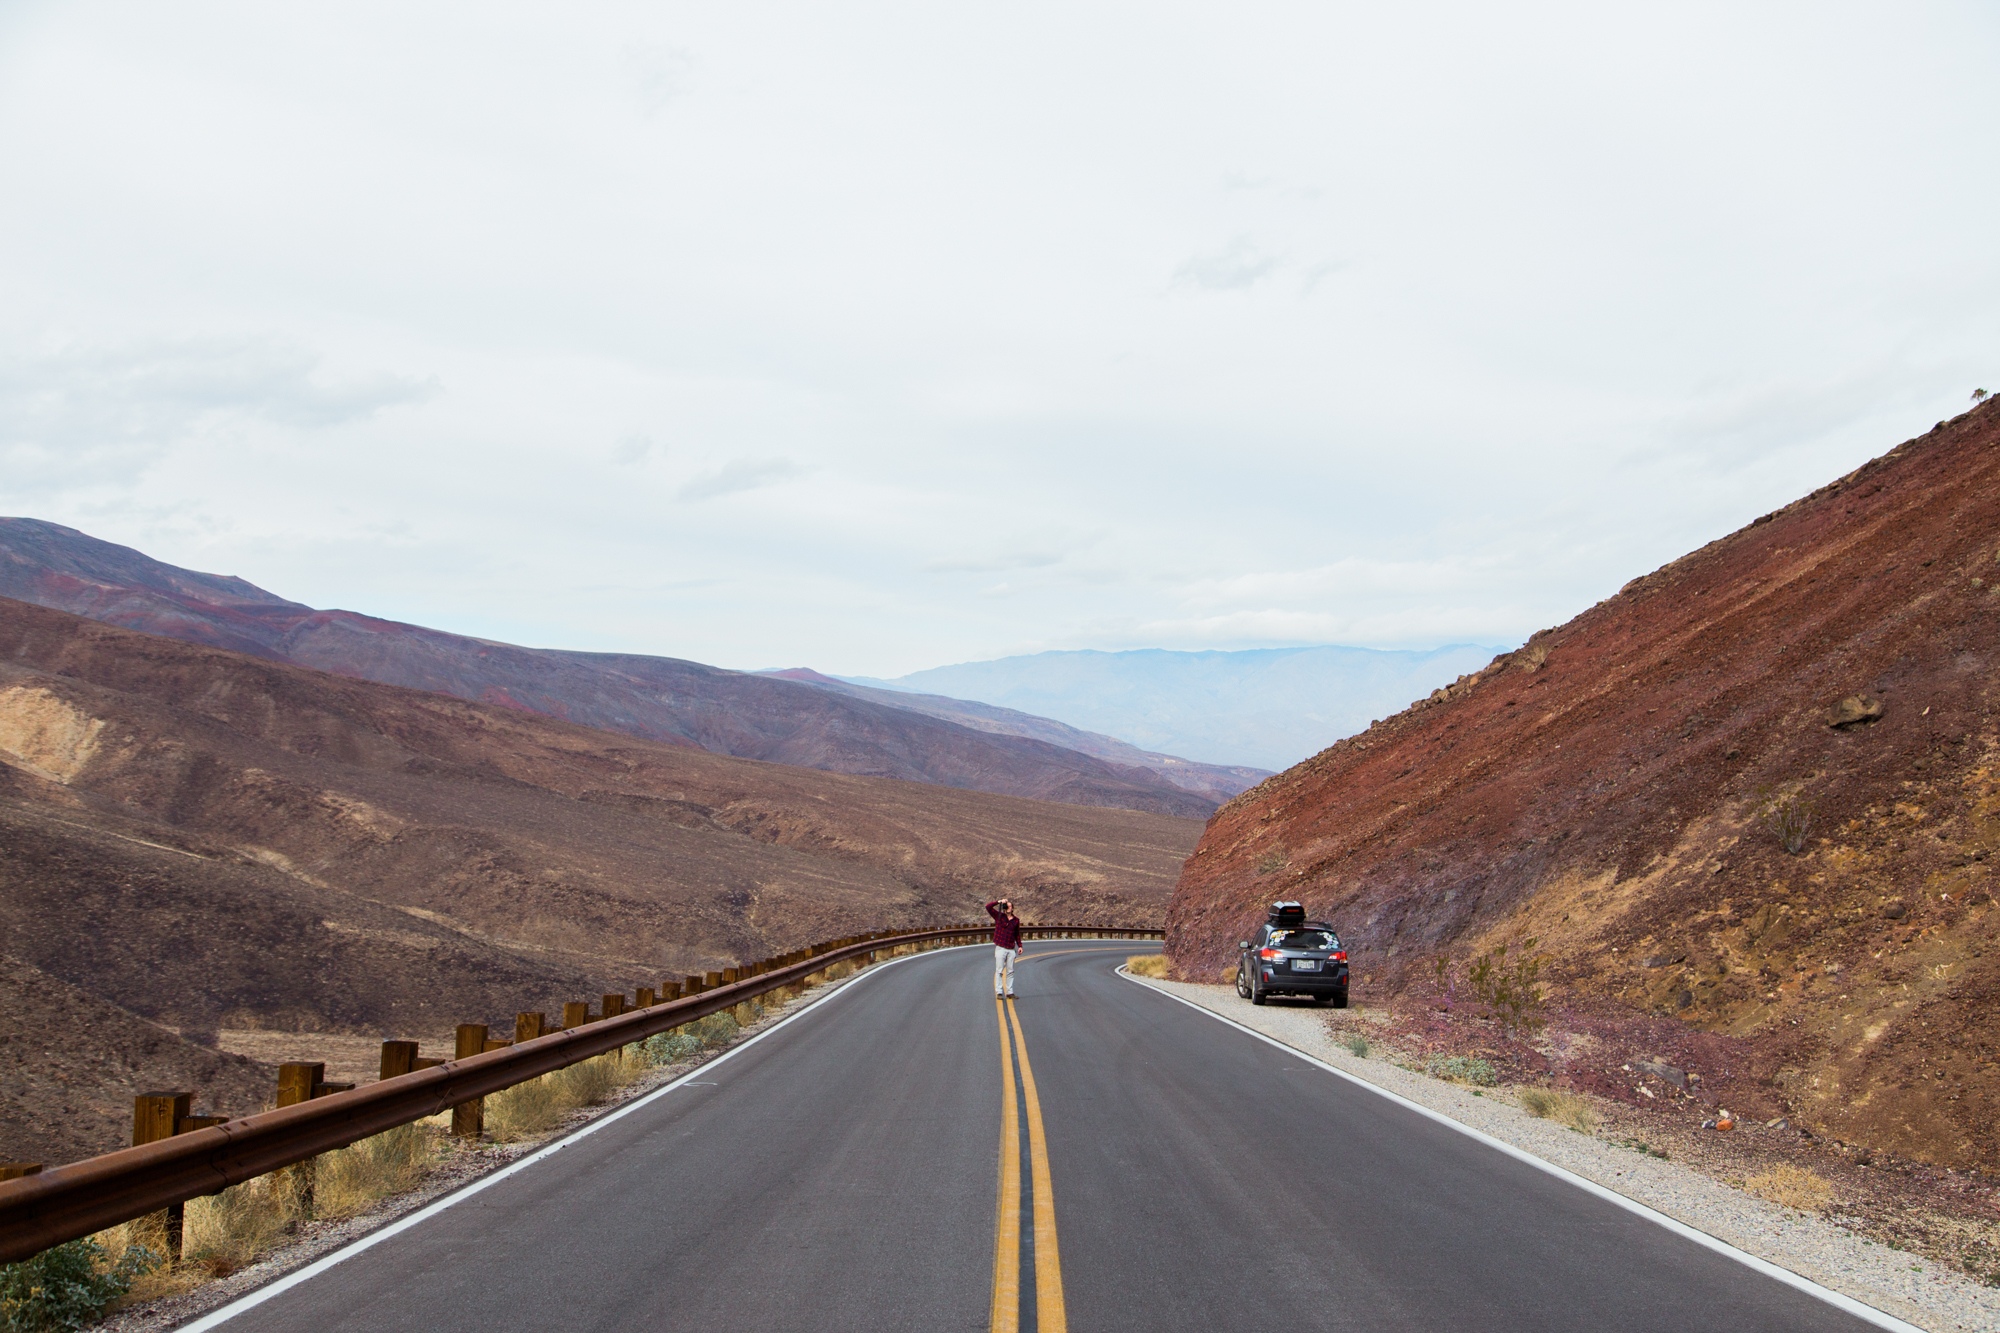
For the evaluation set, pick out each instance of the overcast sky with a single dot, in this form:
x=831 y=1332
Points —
x=874 y=337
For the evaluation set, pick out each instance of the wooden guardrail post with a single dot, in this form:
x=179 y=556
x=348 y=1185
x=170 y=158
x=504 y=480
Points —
x=15 y=1170
x=154 y=1116
x=398 y=1058
x=301 y=1081
x=575 y=1014
x=468 y=1119
x=528 y=1025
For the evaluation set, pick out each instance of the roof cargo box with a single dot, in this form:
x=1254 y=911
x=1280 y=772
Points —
x=1287 y=914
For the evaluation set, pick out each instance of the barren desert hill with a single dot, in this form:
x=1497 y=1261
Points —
x=656 y=698
x=1621 y=789
x=209 y=841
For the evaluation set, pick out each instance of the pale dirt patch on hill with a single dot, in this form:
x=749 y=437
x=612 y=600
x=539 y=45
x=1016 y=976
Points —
x=48 y=736
x=348 y=1058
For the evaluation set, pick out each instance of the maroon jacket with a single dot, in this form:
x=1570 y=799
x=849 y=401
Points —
x=1006 y=929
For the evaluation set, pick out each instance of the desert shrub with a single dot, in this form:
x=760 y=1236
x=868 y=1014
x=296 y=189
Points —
x=67 y=1286
x=1789 y=816
x=668 y=1047
x=1272 y=862
x=713 y=1030
x=1509 y=987
x=1462 y=1069
x=1565 y=1108
x=393 y=1162
x=1148 y=965
x=1791 y=1187
x=1357 y=1045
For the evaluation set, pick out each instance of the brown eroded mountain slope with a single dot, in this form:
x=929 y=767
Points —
x=209 y=840
x=656 y=698
x=71 y=1063
x=1601 y=790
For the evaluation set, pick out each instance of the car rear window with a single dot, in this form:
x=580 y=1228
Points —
x=1303 y=939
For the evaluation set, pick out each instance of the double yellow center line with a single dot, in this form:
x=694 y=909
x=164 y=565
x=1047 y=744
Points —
x=1049 y=1313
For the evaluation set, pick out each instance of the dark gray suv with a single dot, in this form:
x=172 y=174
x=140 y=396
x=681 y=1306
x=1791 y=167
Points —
x=1292 y=956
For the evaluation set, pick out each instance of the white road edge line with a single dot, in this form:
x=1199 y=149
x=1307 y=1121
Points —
x=278 y=1286
x=1785 y=1275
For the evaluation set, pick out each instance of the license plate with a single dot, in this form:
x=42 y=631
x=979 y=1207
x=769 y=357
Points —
x=1305 y=965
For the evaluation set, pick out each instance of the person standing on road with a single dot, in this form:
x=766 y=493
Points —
x=1006 y=944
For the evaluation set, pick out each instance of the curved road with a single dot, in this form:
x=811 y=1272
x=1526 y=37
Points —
x=851 y=1170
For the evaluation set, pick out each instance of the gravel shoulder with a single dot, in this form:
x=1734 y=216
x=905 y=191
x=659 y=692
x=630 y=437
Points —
x=1894 y=1281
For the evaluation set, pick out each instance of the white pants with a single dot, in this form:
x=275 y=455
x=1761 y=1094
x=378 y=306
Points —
x=1003 y=970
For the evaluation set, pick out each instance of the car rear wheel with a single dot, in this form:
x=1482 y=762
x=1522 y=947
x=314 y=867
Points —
x=1257 y=995
x=1338 y=999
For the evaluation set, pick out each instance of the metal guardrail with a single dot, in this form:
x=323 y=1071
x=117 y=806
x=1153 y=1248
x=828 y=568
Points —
x=66 y=1202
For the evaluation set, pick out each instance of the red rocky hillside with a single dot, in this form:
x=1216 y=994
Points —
x=1609 y=790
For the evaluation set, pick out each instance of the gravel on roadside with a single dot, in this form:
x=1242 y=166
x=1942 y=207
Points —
x=1896 y=1282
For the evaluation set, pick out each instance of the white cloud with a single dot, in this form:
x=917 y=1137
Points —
x=633 y=449
x=995 y=563
x=975 y=299
x=87 y=414
x=742 y=474
x=1236 y=265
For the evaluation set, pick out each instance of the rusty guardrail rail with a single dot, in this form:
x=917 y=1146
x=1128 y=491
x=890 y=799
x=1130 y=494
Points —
x=66 y=1202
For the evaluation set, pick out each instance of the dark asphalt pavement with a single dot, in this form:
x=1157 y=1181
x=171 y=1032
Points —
x=842 y=1174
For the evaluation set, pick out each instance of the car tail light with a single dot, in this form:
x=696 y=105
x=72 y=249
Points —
x=1340 y=955
x=1267 y=953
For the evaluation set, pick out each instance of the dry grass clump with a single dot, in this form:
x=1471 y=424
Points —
x=1791 y=1187
x=1565 y=1108
x=227 y=1231
x=354 y=1178
x=1148 y=965
x=534 y=1107
x=223 y=1232
x=525 y=1110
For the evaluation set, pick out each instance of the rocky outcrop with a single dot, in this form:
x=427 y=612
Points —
x=1755 y=793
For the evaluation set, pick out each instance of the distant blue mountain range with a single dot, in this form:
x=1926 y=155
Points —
x=1267 y=707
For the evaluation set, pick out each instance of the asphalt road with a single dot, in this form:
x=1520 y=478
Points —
x=848 y=1172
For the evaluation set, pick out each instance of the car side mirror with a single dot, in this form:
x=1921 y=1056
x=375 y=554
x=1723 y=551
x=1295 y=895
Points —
x=1243 y=944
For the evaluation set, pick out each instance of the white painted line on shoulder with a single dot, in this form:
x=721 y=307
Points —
x=251 y=1300
x=1785 y=1275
